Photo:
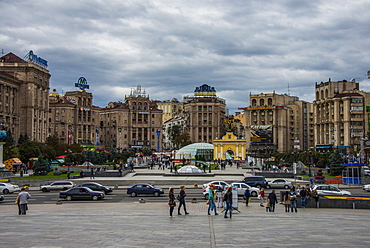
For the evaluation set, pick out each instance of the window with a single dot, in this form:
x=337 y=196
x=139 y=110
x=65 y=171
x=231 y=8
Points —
x=356 y=100
x=199 y=108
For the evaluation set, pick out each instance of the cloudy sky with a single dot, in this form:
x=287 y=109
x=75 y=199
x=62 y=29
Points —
x=169 y=47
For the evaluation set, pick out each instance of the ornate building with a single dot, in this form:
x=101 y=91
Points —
x=24 y=90
x=204 y=114
x=134 y=124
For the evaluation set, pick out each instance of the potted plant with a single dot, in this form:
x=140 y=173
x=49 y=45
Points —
x=59 y=201
x=195 y=185
x=142 y=200
x=194 y=200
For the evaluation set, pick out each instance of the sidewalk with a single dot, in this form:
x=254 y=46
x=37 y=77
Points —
x=149 y=225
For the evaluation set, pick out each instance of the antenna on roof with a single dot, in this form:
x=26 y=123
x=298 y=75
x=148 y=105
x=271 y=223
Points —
x=288 y=90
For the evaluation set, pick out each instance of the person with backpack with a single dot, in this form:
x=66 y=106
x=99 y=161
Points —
x=211 y=200
x=247 y=195
x=181 y=199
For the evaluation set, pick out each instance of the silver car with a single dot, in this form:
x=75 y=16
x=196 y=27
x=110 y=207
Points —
x=61 y=185
x=8 y=188
x=330 y=190
x=279 y=184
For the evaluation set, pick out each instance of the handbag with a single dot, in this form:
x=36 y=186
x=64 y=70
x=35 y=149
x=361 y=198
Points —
x=16 y=201
x=259 y=197
x=172 y=203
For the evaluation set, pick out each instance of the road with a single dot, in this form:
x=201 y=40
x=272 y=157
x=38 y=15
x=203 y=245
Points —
x=120 y=195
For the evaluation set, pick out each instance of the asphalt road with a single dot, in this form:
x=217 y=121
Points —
x=120 y=195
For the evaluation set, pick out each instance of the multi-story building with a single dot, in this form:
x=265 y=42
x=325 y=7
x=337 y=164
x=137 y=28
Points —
x=24 y=90
x=73 y=118
x=341 y=118
x=178 y=121
x=170 y=108
x=204 y=115
x=134 y=124
x=279 y=123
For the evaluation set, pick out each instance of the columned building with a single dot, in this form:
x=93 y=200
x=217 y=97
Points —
x=277 y=123
x=24 y=90
x=204 y=114
x=134 y=124
x=341 y=118
x=73 y=118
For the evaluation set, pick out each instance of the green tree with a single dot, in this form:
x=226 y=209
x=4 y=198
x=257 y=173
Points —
x=182 y=140
x=336 y=164
x=10 y=151
x=40 y=167
x=22 y=139
x=30 y=149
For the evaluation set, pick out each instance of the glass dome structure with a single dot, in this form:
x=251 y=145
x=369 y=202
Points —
x=204 y=150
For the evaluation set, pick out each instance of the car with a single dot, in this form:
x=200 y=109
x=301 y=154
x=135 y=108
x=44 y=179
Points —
x=222 y=184
x=256 y=181
x=1 y=198
x=242 y=186
x=330 y=190
x=96 y=187
x=144 y=189
x=60 y=185
x=82 y=193
x=279 y=184
x=8 y=188
x=366 y=187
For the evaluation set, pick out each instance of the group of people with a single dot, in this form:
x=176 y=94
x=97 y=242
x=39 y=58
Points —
x=180 y=197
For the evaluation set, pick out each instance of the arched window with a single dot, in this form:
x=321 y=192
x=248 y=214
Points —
x=269 y=102
x=254 y=102
x=262 y=102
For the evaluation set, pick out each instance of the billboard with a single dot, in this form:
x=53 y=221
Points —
x=261 y=134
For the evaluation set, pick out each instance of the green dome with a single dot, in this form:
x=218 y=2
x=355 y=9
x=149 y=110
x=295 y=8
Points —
x=199 y=149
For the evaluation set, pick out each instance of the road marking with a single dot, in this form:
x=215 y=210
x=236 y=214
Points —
x=212 y=232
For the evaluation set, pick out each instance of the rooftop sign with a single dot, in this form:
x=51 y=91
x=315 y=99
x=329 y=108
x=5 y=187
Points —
x=37 y=60
x=82 y=83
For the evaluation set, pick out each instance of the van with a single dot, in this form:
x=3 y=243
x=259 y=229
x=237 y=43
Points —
x=256 y=181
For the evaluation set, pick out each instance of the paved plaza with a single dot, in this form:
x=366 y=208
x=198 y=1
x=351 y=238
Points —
x=148 y=225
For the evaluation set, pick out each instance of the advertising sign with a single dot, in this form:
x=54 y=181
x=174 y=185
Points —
x=261 y=134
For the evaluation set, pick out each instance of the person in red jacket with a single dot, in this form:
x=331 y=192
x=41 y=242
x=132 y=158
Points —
x=262 y=197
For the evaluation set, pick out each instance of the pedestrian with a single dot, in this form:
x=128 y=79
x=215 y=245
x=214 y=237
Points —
x=181 y=198
x=292 y=186
x=69 y=174
x=92 y=173
x=228 y=198
x=171 y=201
x=273 y=200
x=22 y=200
x=286 y=201
x=219 y=196
x=293 y=200
x=211 y=199
x=247 y=195
x=120 y=172
x=315 y=196
x=303 y=194
x=261 y=196
x=267 y=204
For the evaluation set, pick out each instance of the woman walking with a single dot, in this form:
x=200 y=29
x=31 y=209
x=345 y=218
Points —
x=22 y=199
x=228 y=200
x=286 y=201
x=171 y=201
x=262 y=197
x=181 y=198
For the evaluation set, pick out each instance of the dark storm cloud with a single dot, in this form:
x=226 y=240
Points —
x=171 y=47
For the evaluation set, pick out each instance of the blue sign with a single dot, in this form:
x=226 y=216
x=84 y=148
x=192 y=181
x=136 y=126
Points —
x=82 y=83
x=37 y=60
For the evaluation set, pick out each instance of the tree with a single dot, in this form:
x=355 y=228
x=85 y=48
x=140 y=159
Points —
x=336 y=164
x=10 y=151
x=182 y=140
x=40 y=166
x=22 y=139
x=30 y=149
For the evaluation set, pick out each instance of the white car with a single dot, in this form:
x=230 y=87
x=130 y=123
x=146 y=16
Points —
x=366 y=187
x=61 y=185
x=330 y=190
x=222 y=184
x=242 y=186
x=8 y=188
x=279 y=184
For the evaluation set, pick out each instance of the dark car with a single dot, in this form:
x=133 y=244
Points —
x=96 y=187
x=144 y=189
x=256 y=181
x=81 y=193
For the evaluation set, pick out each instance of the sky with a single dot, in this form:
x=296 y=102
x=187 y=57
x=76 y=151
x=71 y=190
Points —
x=170 y=47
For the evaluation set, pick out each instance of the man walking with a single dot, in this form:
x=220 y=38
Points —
x=211 y=200
x=22 y=198
x=273 y=200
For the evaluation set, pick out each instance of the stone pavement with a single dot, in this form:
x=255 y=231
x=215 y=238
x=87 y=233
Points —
x=148 y=225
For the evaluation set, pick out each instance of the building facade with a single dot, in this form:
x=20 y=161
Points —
x=170 y=108
x=132 y=125
x=278 y=123
x=24 y=90
x=204 y=114
x=341 y=116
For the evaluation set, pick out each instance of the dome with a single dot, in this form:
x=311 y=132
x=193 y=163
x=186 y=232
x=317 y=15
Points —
x=200 y=149
x=189 y=169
